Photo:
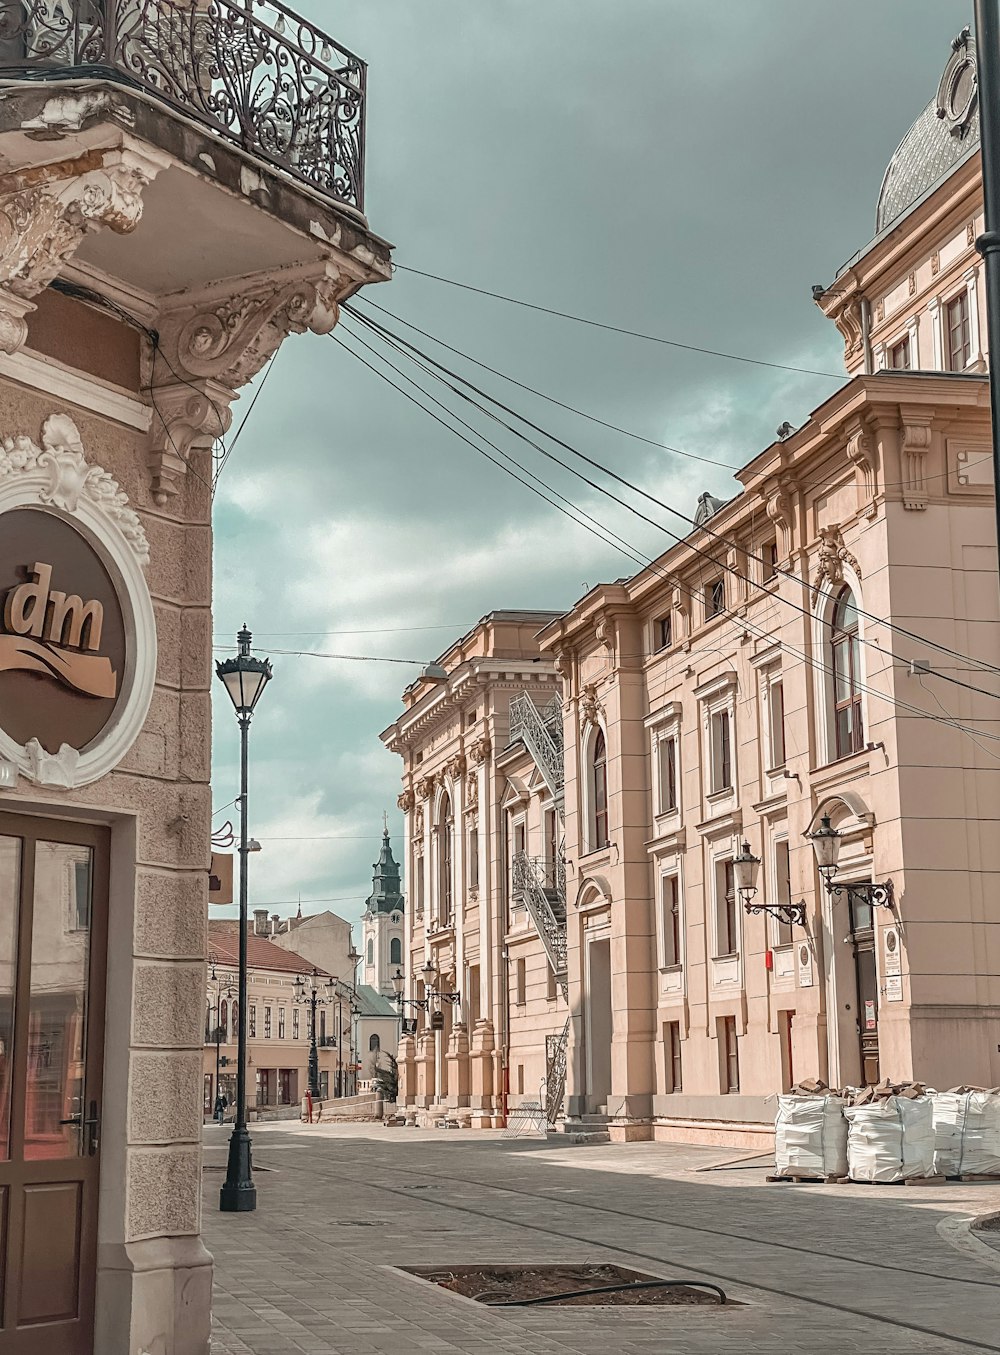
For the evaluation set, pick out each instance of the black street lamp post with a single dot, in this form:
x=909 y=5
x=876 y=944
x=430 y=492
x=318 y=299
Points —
x=245 y=679
x=745 y=868
x=313 y=997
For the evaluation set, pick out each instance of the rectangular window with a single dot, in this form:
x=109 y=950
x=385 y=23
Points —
x=520 y=1079
x=957 y=335
x=672 y=1057
x=663 y=631
x=730 y=1055
x=715 y=598
x=722 y=751
x=769 y=561
x=899 y=355
x=782 y=891
x=281 y=1023
x=267 y=1023
x=324 y=1086
x=322 y=1025
x=727 y=917
x=670 y=905
x=251 y=1022
x=520 y=983
x=295 y=1023
x=776 y=715
x=418 y=873
x=667 y=758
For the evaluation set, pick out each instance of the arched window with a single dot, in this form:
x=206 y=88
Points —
x=444 y=874
x=599 y=787
x=844 y=646
x=395 y=951
x=224 y=1020
x=371 y=951
x=374 y=1044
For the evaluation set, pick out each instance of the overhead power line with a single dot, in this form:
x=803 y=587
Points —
x=419 y=357
x=619 y=329
x=916 y=711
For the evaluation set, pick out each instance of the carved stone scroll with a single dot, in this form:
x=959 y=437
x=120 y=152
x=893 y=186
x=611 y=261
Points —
x=914 y=446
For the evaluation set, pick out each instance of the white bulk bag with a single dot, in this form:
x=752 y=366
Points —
x=890 y=1140
x=966 y=1133
x=810 y=1136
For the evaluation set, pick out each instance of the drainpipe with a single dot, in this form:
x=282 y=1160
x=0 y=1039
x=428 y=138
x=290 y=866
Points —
x=866 y=334
x=988 y=244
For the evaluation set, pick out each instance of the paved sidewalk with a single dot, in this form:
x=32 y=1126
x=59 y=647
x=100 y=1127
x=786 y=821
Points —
x=820 y=1269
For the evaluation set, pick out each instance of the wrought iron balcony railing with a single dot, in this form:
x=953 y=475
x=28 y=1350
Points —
x=251 y=70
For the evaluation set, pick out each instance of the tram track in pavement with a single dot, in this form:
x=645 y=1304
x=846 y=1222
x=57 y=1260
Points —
x=363 y=1162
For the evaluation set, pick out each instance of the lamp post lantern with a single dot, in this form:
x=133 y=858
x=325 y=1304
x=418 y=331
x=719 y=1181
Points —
x=315 y=1000
x=244 y=678
x=745 y=868
x=826 y=842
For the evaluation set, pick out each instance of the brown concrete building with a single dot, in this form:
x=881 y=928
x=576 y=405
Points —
x=159 y=239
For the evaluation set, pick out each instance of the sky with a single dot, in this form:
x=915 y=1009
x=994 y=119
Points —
x=683 y=170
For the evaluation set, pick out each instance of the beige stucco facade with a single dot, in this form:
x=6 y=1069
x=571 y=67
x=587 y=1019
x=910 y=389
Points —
x=824 y=644
x=113 y=390
x=472 y=799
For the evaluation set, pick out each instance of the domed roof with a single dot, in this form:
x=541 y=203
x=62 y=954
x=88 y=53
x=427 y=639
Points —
x=944 y=133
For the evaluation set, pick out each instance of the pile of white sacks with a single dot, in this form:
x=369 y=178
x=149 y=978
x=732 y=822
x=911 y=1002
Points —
x=894 y=1132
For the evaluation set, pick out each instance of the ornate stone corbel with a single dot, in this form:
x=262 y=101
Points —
x=833 y=555
x=406 y=801
x=860 y=450
x=424 y=786
x=43 y=223
x=481 y=749
x=210 y=349
x=914 y=445
x=563 y=663
x=455 y=767
x=605 y=632
x=780 y=510
x=847 y=318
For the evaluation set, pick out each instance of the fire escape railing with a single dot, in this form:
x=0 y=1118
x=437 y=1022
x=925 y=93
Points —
x=555 y=1074
x=253 y=71
x=535 y=886
x=542 y=733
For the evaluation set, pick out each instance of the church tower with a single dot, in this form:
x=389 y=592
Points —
x=382 y=924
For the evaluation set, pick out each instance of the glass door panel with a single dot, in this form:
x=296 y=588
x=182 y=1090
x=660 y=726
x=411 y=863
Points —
x=10 y=891
x=55 y=1101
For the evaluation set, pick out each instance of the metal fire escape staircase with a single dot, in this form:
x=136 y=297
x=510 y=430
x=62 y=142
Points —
x=540 y=885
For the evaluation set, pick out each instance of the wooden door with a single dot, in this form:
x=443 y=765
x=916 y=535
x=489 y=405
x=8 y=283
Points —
x=53 y=946
x=863 y=937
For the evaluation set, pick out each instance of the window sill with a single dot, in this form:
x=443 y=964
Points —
x=732 y=955
x=594 y=852
x=671 y=969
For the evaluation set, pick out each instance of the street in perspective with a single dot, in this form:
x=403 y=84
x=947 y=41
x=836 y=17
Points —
x=499 y=677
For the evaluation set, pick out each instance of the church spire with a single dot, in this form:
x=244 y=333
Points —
x=385 y=896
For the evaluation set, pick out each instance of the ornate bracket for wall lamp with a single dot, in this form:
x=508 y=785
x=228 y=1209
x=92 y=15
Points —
x=745 y=867
x=826 y=842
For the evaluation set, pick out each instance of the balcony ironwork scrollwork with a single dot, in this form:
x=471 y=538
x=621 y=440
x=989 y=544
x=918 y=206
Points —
x=252 y=71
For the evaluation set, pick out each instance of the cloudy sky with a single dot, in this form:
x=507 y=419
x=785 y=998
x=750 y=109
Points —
x=684 y=170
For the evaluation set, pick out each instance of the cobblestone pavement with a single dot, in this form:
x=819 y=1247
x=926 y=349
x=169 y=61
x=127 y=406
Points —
x=819 y=1268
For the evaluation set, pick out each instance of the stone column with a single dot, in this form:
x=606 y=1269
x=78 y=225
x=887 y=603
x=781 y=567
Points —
x=458 y=1065
x=425 y=1064
x=406 y=1064
x=481 y=1097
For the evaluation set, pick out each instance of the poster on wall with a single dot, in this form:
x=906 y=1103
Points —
x=891 y=965
x=805 y=966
